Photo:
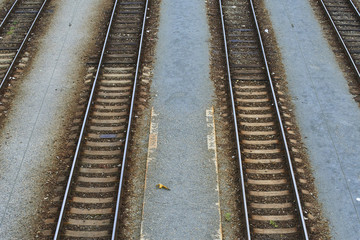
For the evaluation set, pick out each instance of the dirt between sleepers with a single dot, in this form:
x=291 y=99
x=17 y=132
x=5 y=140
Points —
x=340 y=55
x=24 y=63
x=229 y=176
x=4 y=7
x=64 y=150
x=228 y=170
x=131 y=208
x=134 y=185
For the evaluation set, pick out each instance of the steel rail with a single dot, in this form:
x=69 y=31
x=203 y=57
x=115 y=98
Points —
x=302 y=219
x=81 y=136
x=242 y=178
x=340 y=37
x=8 y=14
x=354 y=7
x=22 y=45
x=129 y=126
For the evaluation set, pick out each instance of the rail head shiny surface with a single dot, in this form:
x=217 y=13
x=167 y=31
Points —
x=81 y=135
x=355 y=8
x=19 y=50
x=242 y=178
x=123 y=164
x=340 y=37
x=8 y=14
x=292 y=172
x=289 y=160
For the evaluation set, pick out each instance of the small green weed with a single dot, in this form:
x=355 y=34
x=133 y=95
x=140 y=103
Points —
x=273 y=223
x=11 y=30
x=228 y=217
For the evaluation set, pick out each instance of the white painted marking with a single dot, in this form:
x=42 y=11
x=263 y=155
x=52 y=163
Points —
x=154 y=129
x=211 y=125
x=153 y=140
x=211 y=142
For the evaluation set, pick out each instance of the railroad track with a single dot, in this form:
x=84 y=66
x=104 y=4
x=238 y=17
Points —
x=345 y=20
x=91 y=202
x=15 y=30
x=272 y=205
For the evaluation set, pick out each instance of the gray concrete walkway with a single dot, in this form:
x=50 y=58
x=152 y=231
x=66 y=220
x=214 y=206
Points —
x=182 y=159
x=36 y=119
x=328 y=116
